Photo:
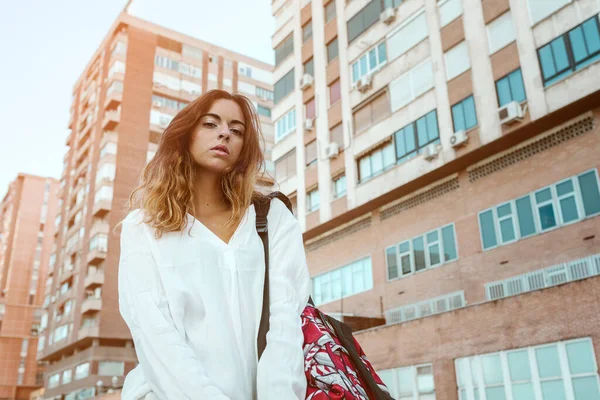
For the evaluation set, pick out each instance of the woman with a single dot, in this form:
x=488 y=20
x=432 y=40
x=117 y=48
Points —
x=192 y=266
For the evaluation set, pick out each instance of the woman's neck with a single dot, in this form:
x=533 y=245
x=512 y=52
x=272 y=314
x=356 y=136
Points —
x=209 y=198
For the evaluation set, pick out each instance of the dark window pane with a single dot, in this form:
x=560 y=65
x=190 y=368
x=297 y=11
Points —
x=559 y=50
x=470 y=114
x=590 y=193
x=547 y=218
x=488 y=231
x=503 y=89
x=592 y=35
x=432 y=126
x=422 y=131
x=419 y=253
x=364 y=19
x=284 y=49
x=449 y=243
x=458 y=117
x=516 y=86
x=382 y=53
x=400 y=143
x=578 y=44
x=392 y=263
x=284 y=86
x=332 y=50
x=525 y=215
x=547 y=61
x=410 y=138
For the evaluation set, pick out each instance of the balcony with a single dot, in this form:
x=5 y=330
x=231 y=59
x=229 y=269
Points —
x=97 y=255
x=99 y=227
x=102 y=206
x=114 y=94
x=63 y=297
x=111 y=119
x=91 y=304
x=94 y=280
x=88 y=331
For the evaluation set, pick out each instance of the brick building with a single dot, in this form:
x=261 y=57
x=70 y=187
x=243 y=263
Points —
x=443 y=159
x=138 y=79
x=26 y=238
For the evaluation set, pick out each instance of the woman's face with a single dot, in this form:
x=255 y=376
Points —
x=219 y=137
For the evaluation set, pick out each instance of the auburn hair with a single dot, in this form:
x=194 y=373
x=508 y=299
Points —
x=166 y=192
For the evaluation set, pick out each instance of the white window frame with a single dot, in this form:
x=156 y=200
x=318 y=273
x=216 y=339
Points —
x=464 y=366
x=290 y=128
x=327 y=276
x=426 y=245
x=370 y=68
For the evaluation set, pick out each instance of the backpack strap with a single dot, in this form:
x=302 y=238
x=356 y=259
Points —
x=262 y=206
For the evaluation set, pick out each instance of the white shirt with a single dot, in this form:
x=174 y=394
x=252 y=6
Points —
x=193 y=305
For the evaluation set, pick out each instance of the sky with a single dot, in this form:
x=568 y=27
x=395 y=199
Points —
x=45 y=46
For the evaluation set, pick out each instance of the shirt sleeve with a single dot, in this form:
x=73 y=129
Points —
x=170 y=366
x=280 y=371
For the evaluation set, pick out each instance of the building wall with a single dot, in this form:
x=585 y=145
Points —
x=27 y=228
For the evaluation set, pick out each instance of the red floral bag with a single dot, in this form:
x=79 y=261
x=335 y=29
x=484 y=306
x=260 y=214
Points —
x=334 y=363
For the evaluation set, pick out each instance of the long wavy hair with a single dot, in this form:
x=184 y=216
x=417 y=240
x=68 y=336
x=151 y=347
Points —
x=166 y=192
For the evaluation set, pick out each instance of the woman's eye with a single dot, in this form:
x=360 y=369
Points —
x=237 y=131
x=209 y=124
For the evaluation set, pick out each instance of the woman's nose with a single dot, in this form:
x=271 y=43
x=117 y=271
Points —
x=224 y=131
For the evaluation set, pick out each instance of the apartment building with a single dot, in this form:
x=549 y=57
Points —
x=26 y=238
x=443 y=160
x=140 y=76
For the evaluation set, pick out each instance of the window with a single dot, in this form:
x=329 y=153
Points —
x=501 y=32
x=416 y=135
x=41 y=343
x=539 y=10
x=307 y=32
x=449 y=11
x=339 y=186
x=412 y=84
x=160 y=101
x=119 y=48
x=264 y=111
x=464 y=116
x=190 y=70
x=511 y=88
x=284 y=86
x=376 y=162
x=106 y=172
x=312 y=200
x=191 y=87
x=407 y=35
x=311 y=153
x=422 y=252
x=560 y=204
x=245 y=70
x=116 y=67
x=570 y=52
x=285 y=125
x=369 y=62
x=332 y=50
x=373 y=112
x=165 y=62
x=82 y=371
x=116 y=86
x=285 y=167
x=99 y=242
x=457 y=60
x=407 y=383
x=335 y=92
x=111 y=368
x=169 y=81
x=363 y=20
x=53 y=380
x=336 y=134
x=190 y=51
x=342 y=282
x=246 y=88
x=108 y=148
x=310 y=109
x=67 y=376
x=560 y=370
x=263 y=93
x=330 y=11
x=284 y=49
x=309 y=67
x=161 y=119
x=104 y=193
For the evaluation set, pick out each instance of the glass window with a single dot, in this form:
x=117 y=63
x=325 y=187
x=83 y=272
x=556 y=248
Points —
x=330 y=11
x=569 y=52
x=449 y=241
x=264 y=111
x=335 y=92
x=511 y=88
x=339 y=186
x=464 y=115
x=285 y=167
x=364 y=19
x=312 y=200
x=310 y=109
x=284 y=49
x=111 y=368
x=413 y=137
x=525 y=216
x=373 y=112
x=307 y=31
x=369 y=62
x=590 y=193
x=336 y=134
x=457 y=60
x=311 y=153
x=486 y=227
x=284 y=86
x=332 y=50
x=309 y=67
x=82 y=371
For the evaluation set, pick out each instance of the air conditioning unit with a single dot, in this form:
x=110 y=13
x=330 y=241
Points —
x=510 y=113
x=365 y=83
x=430 y=151
x=332 y=150
x=309 y=124
x=306 y=81
x=388 y=15
x=458 y=138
